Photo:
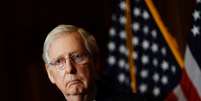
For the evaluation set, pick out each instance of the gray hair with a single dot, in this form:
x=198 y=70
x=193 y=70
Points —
x=89 y=41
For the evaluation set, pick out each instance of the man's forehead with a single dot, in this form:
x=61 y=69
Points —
x=67 y=37
x=66 y=43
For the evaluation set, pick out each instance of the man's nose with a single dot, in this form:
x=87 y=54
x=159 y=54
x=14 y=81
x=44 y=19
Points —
x=69 y=67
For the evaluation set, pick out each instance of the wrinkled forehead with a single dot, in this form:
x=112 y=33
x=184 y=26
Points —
x=66 y=43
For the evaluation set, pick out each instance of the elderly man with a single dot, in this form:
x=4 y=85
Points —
x=70 y=56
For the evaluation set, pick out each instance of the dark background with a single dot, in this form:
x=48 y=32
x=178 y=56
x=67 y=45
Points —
x=23 y=76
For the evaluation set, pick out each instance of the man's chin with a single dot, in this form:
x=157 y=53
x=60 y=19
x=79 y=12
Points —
x=75 y=90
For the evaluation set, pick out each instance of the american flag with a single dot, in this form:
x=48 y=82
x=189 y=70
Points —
x=189 y=88
x=157 y=71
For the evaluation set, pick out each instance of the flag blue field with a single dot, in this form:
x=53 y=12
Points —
x=156 y=70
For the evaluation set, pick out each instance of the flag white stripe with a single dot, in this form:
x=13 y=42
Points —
x=193 y=70
x=179 y=94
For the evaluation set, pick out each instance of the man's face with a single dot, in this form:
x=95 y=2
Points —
x=73 y=79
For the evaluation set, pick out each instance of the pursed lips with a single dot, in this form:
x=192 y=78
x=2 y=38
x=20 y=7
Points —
x=72 y=82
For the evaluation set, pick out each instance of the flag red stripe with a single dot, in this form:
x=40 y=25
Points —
x=171 y=97
x=188 y=89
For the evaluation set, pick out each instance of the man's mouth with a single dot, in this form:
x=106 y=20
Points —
x=73 y=82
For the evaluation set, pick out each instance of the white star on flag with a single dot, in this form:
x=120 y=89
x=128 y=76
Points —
x=195 y=30
x=196 y=15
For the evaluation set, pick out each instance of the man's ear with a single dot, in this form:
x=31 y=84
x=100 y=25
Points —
x=50 y=73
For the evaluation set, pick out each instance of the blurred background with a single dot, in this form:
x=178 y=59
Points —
x=24 y=77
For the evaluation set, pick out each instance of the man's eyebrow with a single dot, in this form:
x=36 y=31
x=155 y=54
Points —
x=70 y=53
x=57 y=57
x=79 y=51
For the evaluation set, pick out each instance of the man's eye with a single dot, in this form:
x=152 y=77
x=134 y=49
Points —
x=59 y=61
x=77 y=58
